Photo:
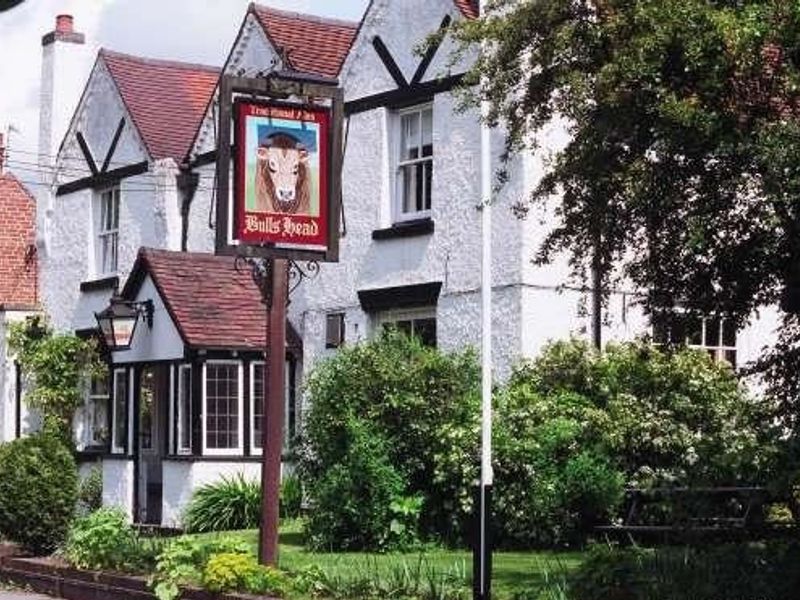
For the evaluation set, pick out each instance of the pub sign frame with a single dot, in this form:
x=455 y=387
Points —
x=276 y=111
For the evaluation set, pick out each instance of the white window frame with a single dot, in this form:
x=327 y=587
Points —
x=115 y=447
x=179 y=407
x=238 y=451
x=90 y=412
x=719 y=349
x=101 y=233
x=256 y=364
x=398 y=214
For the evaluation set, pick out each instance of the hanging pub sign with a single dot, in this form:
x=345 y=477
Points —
x=285 y=198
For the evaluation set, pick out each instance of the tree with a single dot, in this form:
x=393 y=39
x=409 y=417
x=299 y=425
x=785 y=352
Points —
x=56 y=367
x=682 y=174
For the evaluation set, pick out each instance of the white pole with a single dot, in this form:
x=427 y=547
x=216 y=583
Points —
x=486 y=331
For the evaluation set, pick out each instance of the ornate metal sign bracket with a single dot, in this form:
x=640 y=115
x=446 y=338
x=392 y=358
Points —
x=261 y=274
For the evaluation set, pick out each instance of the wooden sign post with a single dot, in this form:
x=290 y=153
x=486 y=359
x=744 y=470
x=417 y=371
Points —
x=285 y=207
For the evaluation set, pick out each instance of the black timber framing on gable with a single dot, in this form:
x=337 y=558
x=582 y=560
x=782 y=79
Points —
x=407 y=96
x=407 y=93
x=113 y=147
x=103 y=179
x=430 y=52
x=87 y=154
x=388 y=61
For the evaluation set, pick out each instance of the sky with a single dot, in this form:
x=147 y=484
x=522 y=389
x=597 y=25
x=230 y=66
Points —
x=200 y=31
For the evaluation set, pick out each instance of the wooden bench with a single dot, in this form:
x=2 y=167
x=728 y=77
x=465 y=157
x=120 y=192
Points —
x=680 y=514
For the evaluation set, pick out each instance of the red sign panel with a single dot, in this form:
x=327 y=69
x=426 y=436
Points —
x=281 y=170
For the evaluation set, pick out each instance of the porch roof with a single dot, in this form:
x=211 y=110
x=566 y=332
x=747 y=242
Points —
x=213 y=305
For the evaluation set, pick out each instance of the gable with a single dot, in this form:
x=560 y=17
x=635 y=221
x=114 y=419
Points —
x=101 y=128
x=250 y=54
x=162 y=341
x=384 y=57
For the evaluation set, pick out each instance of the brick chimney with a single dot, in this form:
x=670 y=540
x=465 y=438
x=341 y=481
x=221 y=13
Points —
x=65 y=62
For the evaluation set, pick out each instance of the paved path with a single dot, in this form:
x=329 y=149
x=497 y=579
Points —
x=18 y=595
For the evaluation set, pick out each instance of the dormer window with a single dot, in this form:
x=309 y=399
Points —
x=107 y=231
x=415 y=165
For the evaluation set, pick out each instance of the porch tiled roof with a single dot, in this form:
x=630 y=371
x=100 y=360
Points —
x=313 y=44
x=468 y=8
x=212 y=304
x=166 y=99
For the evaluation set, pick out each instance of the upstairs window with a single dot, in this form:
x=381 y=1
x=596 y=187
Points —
x=415 y=166
x=108 y=233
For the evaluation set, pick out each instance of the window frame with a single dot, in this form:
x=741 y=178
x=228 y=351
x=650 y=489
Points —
x=179 y=408
x=90 y=413
x=342 y=331
x=717 y=351
x=396 y=315
x=400 y=164
x=254 y=366
x=239 y=449
x=112 y=193
x=115 y=447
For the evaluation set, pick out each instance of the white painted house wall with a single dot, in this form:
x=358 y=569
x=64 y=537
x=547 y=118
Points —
x=149 y=207
x=29 y=421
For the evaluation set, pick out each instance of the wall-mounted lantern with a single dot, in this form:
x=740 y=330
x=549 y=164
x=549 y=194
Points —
x=118 y=321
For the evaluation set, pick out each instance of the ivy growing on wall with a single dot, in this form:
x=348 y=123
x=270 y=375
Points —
x=56 y=367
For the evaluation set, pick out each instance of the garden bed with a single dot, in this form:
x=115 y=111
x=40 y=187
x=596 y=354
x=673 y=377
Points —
x=56 y=578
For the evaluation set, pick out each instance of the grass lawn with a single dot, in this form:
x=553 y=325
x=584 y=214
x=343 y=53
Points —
x=512 y=570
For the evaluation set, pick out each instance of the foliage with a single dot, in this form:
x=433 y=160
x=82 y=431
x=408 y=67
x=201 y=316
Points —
x=681 y=173
x=101 y=540
x=228 y=504
x=56 y=366
x=182 y=561
x=405 y=578
x=746 y=571
x=575 y=425
x=291 y=498
x=554 y=478
x=90 y=490
x=352 y=499
x=231 y=572
x=419 y=401
x=38 y=491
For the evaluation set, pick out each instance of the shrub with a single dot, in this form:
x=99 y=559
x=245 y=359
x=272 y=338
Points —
x=228 y=504
x=102 y=540
x=38 y=492
x=232 y=572
x=420 y=401
x=352 y=500
x=90 y=491
x=745 y=571
x=576 y=425
x=182 y=561
x=553 y=478
x=291 y=497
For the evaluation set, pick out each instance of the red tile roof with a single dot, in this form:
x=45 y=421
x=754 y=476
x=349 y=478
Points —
x=167 y=100
x=212 y=304
x=314 y=44
x=468 y=8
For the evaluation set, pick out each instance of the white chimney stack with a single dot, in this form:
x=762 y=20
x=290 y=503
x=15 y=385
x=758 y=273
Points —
x=65 y=65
